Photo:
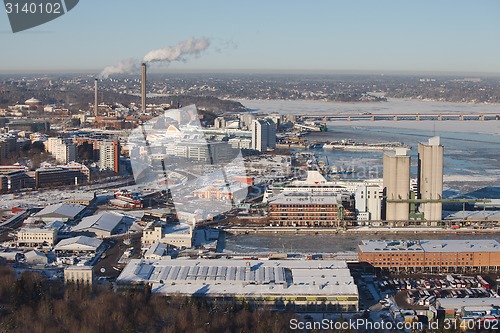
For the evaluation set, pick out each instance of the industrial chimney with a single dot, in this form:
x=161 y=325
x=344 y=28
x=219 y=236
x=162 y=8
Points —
x=95 y=98
x=143 y=94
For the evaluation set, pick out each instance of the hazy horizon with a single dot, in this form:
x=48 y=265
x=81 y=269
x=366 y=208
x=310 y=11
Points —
x=349 y=36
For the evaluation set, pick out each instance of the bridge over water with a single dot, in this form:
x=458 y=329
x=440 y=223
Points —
x=402 y=116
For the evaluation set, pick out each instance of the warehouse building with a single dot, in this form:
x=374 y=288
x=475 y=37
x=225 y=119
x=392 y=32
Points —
x=60 y=212
x=35 y=258
x=432 y=256
x=80 y=244
x=101 y=225
x=283 y=284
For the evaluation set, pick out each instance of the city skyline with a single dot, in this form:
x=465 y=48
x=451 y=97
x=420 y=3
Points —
x=360 y=36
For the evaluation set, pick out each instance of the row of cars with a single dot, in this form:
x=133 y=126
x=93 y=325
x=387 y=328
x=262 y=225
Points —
x=448 y=282
x=425 y=291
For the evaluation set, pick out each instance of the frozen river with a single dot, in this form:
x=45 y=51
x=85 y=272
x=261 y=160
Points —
x=472 y=160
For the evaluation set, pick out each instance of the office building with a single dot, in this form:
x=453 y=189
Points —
x=83 y=275
x=396 y=185
x=50 y=177
x=430 y=178
x=206 y=152
x=304 y=210
x=34 y=237
x=109 y=156
x=263 y=134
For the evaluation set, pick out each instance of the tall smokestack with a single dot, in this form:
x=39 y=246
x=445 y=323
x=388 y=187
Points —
x=95 y=98
x=143 y=94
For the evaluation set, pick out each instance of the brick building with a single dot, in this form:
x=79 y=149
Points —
x=432 y=255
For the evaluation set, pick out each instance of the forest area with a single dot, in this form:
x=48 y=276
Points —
x=32 y=304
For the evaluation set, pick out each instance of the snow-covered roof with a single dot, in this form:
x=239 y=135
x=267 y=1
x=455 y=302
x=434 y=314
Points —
x=80 y=243
x=242 y=277
x=103 y=221
x=64 y=209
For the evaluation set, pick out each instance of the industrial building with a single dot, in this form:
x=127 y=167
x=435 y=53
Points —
x=396 y=185
x=80 y=244
x=36 y=258
x=368 y=201
x=285 y=284
x=468 y=309
x=475 y=217
x=156 y=251
x=432 y=256
x=100 y=225
x=60 y=212
x=178 y=235
x=430 y=178
x=305 y=210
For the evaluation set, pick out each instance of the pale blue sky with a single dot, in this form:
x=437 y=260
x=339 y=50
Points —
x=383 y=35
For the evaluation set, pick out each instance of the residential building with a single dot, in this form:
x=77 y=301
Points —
x=109 y=156
x=63 y=150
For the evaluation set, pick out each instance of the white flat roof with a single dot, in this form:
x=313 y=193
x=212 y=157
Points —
x=458 y=303
x=242 y=277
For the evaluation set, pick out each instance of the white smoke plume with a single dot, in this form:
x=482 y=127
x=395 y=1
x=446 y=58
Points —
x=179 y=52
x=124 y=66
